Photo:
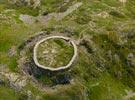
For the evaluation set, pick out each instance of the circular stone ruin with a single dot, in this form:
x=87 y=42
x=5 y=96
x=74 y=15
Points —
x=55 y=53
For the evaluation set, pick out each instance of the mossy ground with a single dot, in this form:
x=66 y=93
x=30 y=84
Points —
x=102 y=74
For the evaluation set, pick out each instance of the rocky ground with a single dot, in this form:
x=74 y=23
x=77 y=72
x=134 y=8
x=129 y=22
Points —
x=104 y=31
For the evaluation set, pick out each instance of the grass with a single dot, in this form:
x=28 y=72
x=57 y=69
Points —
x=59 y=50
x=7 y=93
x=102 y=74
x=106 y=88
x=12 y=33
x=50 y=6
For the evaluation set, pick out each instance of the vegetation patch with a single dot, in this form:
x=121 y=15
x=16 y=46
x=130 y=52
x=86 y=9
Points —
x=54 y=53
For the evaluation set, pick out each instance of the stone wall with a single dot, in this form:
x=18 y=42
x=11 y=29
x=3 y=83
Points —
x=59 y=68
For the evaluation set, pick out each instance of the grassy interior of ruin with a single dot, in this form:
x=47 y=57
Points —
x=54 y=53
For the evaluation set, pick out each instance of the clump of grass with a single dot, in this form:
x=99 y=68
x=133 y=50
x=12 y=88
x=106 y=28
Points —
x=116 y=14
x=50 y=6
x=82 y=16
x=7 y=93
x=76 y=91
x=24 y=9
x=13 y=64
x=106 y=85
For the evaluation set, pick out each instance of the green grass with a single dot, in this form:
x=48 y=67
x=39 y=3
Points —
x=98 y=75
x=12 y=33
x=7 y=93
x=50 y=6
x=25 y=10
x=106 y=88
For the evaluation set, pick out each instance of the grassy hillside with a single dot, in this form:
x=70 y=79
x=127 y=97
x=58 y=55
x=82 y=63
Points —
x=105 y=33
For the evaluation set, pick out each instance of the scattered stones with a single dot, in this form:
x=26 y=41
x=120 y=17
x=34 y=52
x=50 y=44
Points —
x=12 y=51
x=16 y=81
x=131 y=59
x=103 y=14
x=45 y=19
x=36 y=4
x=60 y=16
x=27 y=19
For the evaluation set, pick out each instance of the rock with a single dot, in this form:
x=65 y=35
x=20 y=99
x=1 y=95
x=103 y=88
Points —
x=103 y=14
x=131 y=59
x=27 y=19
x=45 y=19
x=29 y=93
x=130 y=55
x=20 y=83
x=72 y=8
x=12 y=51
x=16 y=81
x=36 y=3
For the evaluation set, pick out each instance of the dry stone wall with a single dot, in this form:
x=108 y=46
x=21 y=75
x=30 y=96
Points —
x=49 y=67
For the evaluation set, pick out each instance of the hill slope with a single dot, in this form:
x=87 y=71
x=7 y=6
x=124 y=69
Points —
x=104 y=31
